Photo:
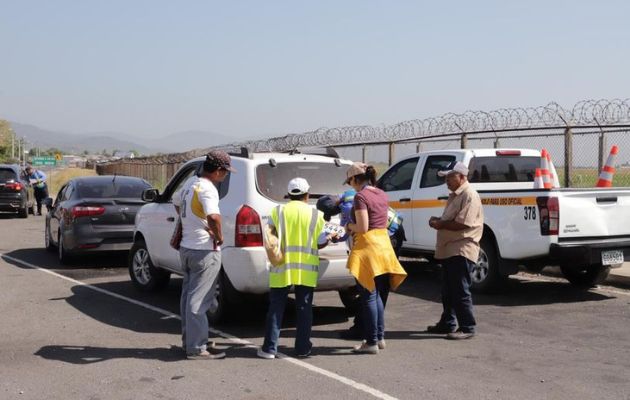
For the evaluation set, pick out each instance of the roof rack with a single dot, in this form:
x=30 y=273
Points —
x=318 y=151
x=244 y=153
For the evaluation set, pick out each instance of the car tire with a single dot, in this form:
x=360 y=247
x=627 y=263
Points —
x=23 y=212
x=48 y=240
x=144 y=275
x=586 y=277
x=63 y=254
x=350 y=298
x=486 y=277
x=221 y=303
x=31 y=209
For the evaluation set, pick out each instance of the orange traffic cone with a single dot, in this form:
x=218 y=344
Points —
x=606 y=176
x=544 y=169
x=538 y=180
x=555 y=181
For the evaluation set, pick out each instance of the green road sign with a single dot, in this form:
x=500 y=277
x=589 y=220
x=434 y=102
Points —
x=45 y=160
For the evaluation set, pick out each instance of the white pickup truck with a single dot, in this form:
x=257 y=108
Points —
x=584 y=231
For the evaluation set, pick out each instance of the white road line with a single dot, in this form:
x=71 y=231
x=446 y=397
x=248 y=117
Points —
x=329 y=374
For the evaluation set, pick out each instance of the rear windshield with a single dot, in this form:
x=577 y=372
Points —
x=503 y=169
x=323 y=178
x=106 y=189
x=7 y=174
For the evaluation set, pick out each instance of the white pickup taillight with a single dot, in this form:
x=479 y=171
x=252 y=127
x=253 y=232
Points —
x=549 y=213
x=248 y=229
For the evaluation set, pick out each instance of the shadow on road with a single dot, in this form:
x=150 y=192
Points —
x=48 y=260
x=90 y=354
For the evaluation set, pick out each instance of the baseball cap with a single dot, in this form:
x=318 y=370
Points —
x=329 y=205
x=454 y=167
x=357 y=168
x=219 y=159
x=298 y=186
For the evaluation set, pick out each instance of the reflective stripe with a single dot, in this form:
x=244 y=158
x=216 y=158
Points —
x=283 y=268
x=311 y=231
x=301 y=249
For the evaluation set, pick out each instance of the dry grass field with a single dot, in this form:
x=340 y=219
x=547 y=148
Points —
x=57 y=177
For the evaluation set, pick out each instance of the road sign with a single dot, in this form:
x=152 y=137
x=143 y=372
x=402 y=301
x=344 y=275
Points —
x=45 y=160
x=58 y=157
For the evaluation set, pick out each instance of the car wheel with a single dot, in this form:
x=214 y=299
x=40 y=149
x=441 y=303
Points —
x=31 y=209
x=144 y=275
x=485 y=274
x=62 y=253
x=23 y=212
x=223 y=292
x=586 y=277
x=351 y=298
x=47 y=239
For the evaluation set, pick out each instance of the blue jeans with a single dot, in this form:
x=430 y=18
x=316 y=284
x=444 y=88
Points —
x=456 y=298
x=201 y=268
x=373 y=305
x=304 y=310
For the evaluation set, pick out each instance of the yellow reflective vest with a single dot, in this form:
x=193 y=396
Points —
x=299 y=226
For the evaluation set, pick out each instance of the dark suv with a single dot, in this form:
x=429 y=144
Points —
x=16 y=193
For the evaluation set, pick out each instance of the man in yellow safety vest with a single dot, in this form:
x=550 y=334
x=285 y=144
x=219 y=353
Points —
x=300 y=231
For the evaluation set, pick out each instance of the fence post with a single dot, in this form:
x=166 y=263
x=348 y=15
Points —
x=464 y=141
x=391 y=153
x=568 y=157
x=418 y=147
x=602 y=152
x=496 y=143
x=363 y=154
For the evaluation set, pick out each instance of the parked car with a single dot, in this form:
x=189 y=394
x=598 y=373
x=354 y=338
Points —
x=16 y=192
x=247 y=198
x=94 y=213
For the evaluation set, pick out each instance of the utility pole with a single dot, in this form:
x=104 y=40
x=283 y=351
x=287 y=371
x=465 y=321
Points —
x=12 y=143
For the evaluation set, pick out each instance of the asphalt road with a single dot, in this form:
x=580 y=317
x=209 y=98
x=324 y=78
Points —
x=83 y=332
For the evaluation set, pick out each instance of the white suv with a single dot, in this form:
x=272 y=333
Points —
x=247 y=198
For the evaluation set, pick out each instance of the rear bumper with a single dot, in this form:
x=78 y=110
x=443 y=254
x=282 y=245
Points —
x=86 y=238
x=248 y=270
x=586 y=253
x=12 y=203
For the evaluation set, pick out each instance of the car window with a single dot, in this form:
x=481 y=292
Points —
x=400 y=176
x=110 y=189
x=180 y=179
x=323 y=178
x=430 y=177
x=67 y=194
x=503 y=169
x=7 y=174
x=59 y=197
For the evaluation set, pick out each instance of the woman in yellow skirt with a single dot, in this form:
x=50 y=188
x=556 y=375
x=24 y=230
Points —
x=372 y=260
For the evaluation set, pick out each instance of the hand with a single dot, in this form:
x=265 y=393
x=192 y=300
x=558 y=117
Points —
x=434 y=222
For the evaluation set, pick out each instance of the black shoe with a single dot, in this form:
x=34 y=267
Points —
x=440 y=329
x=304 y=355
x=351 y=334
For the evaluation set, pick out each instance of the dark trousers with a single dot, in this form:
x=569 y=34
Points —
x=456 y=298
x=41 y=194
x=373 y=310
x=304 y=312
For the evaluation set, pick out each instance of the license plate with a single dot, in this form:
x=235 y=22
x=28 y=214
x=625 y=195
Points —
x=612 y=257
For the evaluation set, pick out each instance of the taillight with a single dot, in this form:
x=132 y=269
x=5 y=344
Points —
x=17 y=186
x=508 y=152
x=248 y=229
x=87 y=211
x=549 y=213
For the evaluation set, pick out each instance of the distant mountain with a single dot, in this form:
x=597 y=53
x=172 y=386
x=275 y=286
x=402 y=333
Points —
x=96 y=142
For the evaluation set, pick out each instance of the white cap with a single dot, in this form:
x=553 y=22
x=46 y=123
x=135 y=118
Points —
x=454 y=167
x=298 y=186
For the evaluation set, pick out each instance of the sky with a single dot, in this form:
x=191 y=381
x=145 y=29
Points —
x=266 y=68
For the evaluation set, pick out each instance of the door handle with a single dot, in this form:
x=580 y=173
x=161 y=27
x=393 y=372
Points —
x=404 y=199
x=170 y=219
x=443 y=198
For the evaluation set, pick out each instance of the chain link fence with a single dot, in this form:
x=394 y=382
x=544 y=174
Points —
x=578 y=139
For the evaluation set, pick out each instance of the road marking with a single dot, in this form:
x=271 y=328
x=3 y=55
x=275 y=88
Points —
x=236 y=340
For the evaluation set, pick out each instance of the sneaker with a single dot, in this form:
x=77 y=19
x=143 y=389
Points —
x=365 y=348
x=459 y=335
x=381 y=344
x=205 y=355
x=263 y=354
x=440 y=329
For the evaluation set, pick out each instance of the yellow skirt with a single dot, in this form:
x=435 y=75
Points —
x=372 y=255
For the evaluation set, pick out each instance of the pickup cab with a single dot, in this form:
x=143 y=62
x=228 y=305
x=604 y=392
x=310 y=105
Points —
x=576 y=229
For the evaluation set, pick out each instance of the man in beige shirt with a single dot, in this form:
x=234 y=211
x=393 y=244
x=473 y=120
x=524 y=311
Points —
x=459 y=231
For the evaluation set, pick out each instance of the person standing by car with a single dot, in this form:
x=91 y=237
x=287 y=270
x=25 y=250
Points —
x=299 y=228
x=197 y=203
x=40 y=188
x=372 y=259
x=459 y=231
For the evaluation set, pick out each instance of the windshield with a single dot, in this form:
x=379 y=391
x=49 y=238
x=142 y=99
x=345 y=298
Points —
x=323 y=178
x=106 y=189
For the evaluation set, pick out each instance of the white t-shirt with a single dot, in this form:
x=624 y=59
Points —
x=197 y=199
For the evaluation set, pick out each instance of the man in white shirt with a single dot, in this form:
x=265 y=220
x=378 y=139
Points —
x=197 y=203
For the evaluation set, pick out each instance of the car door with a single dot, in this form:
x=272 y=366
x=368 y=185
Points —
x=56 y=214
x=429 y=199
x=398 y=182
x=163 y=217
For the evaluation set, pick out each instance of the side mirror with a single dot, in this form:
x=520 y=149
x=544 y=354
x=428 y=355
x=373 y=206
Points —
x=150 y=195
